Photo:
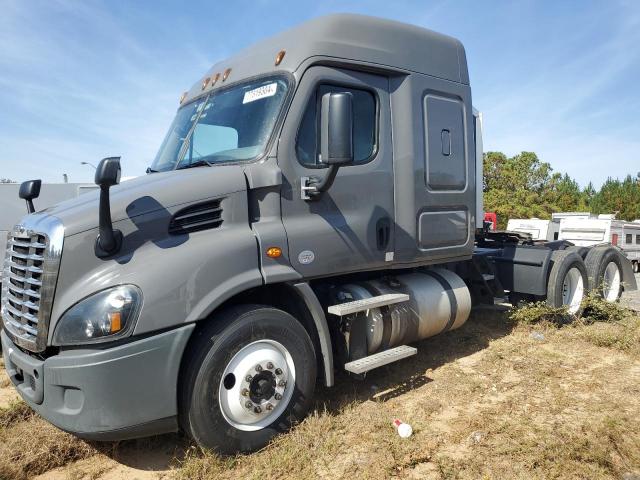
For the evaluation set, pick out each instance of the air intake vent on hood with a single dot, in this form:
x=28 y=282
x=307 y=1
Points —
x=201 y=216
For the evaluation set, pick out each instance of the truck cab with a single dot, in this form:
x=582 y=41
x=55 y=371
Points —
x=314 y=206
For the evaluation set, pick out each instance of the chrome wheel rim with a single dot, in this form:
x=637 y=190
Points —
x=257 y=385
x=573 y=290
x=611 y=282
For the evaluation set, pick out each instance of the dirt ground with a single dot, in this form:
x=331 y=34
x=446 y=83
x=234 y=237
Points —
x=490 y=400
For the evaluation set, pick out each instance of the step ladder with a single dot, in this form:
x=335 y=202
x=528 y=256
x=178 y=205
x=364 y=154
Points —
x=363 y=365
x=356 y=306
x=379 y=359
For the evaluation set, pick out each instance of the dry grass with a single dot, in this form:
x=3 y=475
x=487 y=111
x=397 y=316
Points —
x=486 y=401
x=30 y=446
x=16 y=412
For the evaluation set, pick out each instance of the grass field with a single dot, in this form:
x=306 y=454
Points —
x=494 y=399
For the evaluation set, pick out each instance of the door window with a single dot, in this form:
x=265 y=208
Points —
x=364 y=126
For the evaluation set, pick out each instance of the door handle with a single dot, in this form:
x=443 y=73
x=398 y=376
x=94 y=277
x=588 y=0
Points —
x=383 y=233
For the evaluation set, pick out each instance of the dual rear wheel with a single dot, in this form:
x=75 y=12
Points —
x=572 y=277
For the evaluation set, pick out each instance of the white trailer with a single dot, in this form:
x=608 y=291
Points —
x=538 y=229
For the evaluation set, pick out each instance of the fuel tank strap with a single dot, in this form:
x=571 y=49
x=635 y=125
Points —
x=452 y=297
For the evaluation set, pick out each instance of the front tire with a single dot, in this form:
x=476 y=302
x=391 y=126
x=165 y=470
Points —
x=250 y=374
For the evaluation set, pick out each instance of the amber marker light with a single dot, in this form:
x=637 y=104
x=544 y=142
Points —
x=116 y=322
x=205 y=82
x=274 y=252
x=279 y=57
x=182 y=97
x=226 y=73
x=215 y=79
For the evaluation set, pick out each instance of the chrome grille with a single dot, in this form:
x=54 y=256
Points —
x=28 y=280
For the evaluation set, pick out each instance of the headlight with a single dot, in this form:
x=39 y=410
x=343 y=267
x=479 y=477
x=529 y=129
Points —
x=102 y=317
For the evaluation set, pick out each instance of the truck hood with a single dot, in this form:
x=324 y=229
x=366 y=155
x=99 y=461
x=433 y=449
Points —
x=150 y=193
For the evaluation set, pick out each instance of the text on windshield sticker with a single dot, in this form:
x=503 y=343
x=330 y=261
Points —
x=260 y=92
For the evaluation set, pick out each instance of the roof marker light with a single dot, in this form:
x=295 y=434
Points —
x=226 y=73
x=205 y=82
x=182 y=97
x=279 y=57
x=215 y=79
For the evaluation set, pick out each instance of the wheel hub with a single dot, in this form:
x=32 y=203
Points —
x=263 y=387
x=611 y=282
x=254 y=388
x=573 y=290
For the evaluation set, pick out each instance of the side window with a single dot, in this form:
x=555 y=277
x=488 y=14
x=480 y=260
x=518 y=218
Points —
x=364 y=126
x=628 y=239
x=638 y=239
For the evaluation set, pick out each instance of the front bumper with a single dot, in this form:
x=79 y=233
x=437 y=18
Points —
x=117 y=393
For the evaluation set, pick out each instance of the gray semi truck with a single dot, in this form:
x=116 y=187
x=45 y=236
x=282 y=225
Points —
x=316 y=206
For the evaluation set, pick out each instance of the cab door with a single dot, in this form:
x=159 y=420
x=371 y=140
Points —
x=350 y=226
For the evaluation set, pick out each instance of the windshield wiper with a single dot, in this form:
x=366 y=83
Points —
x=199 y=163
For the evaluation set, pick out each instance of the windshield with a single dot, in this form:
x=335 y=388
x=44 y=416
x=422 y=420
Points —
x=229 y=125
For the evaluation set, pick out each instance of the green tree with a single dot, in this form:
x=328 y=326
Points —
x=619 y=197
x=516 y=187
x=563 y=194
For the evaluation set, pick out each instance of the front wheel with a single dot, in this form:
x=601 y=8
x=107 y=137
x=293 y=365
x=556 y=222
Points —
x=250 y=374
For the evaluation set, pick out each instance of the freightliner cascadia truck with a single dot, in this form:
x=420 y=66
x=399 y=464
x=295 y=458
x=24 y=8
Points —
x=316 y=206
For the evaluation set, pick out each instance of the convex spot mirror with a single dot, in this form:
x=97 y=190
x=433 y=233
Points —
x=336 y=128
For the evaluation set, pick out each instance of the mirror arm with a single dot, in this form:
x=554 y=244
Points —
x=324 y=184
x=30 y=207
x=109 y=240
x=312 y=187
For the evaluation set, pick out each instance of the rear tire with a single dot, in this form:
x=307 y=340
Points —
x=249 y=374
x=568 y=281
x=604 y=269
x=582 y=251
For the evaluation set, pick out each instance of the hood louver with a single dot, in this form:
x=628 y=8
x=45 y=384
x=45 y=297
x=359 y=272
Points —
x=202 y=216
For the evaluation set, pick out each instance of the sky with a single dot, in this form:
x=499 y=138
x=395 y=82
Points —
x=81 y=80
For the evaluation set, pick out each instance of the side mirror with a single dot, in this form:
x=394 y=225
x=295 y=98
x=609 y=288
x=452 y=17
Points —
x=109 y=240
x=336 y=128
x=336 y=141
x=28 y=191
x=108 y=172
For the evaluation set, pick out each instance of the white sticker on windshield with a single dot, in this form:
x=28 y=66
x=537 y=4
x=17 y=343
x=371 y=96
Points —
x=260 y=92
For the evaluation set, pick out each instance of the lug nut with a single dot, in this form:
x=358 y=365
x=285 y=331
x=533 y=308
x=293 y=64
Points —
x=277 y=396
x=248 y=378
x=258 y=368
x=258 y=409
x=248 y=404
x=282 y=383
x=245 y=392
x=269 y=407
x=278 y=371
x=269 y=366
